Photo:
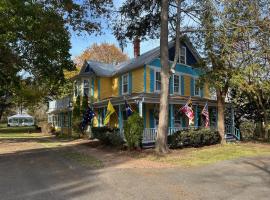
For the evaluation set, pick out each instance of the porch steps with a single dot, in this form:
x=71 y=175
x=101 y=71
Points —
x=230 y=138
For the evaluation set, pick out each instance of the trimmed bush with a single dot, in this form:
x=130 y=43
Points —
x=247 y=130
x=133 y=130
x=108 y=136
x=193 y=138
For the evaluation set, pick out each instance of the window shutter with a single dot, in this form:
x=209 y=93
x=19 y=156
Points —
x=192 y=82
x=171 y=85
x=202 y=91
x=152 y=80
x=130 y=82
x=182 y=85
x=120 y=85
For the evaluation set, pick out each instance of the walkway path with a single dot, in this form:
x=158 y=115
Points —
x=35 y=172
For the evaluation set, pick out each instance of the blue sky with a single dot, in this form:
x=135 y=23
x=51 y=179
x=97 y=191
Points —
x=80 y=43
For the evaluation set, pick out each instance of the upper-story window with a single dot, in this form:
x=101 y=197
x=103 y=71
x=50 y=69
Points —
x=197 y=88
x=125 y=84
x=157 y=81
x=176 y=83
x=182 y=55
x=86 y=87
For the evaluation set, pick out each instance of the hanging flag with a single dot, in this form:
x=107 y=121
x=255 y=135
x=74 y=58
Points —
x=187 y=110
x=110 y=111
x=206 y=114
x=128 y=109
x=87 y=117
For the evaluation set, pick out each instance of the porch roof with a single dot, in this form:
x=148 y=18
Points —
x=153 y=98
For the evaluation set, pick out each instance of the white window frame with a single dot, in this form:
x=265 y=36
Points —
x=155 y=80
x=199 y=94
x=179 y=89
x=122 y=83
x=86 y=87
x=185 y=54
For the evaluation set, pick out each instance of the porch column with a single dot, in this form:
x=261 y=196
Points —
x=141 y=108
x=171 y=115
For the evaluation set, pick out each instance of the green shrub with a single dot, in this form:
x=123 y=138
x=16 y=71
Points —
x=133 y=130
x=108 y=136
x=247 y=130
x=193 y=138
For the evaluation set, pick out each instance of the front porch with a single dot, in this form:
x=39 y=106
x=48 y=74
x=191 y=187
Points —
x=147 y=105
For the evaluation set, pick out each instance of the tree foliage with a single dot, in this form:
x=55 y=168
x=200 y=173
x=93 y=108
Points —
x=104 y=52
x=34 y=39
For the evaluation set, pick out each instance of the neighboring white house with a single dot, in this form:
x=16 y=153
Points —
x=21 y=120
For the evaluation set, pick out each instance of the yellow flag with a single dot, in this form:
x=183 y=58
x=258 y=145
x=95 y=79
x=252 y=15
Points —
x=110 y=111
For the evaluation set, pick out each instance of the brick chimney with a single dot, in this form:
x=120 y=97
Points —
x=136 y=45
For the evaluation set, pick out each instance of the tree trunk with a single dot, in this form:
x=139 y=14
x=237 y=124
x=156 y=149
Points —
x=221 y=109
x=161 y=143
x=265 y=125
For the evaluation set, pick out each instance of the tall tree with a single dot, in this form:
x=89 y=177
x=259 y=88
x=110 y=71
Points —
x=142 y=19
x=161 y=142
x=253 y=78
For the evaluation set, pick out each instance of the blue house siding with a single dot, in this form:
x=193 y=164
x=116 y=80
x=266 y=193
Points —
x=179 y=68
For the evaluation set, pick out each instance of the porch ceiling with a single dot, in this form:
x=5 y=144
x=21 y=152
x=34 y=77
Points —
x=153 y=98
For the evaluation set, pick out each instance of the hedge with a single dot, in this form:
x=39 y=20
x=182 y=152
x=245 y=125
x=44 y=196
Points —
x=193 y=138
x=108 y=136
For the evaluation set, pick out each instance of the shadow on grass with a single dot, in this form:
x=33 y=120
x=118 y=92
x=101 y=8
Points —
x=55 y=173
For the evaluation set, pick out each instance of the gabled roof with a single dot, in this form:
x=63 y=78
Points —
x=109 y=70
x=20 y=116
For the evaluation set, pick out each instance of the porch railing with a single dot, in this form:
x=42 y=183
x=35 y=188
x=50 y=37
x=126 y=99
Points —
x=150 y=134
x=233 y=131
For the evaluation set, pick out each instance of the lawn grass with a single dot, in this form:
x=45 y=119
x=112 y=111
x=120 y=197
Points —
x=19 y=132
x=83 y=159
x=212 y=154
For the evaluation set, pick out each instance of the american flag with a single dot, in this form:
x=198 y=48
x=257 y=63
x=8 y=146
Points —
x=206 y=114
x=187 y=109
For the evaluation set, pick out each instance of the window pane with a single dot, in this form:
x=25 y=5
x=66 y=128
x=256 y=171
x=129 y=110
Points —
x=158 y=81
x=125 y=88
x=86 y=87
x=183 y=55
x=125 y=83
x=197 y=88
x=176 y=84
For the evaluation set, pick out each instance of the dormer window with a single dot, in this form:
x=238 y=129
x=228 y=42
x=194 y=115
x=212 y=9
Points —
x=182 y=55
x=87 y=69
x=125 y=84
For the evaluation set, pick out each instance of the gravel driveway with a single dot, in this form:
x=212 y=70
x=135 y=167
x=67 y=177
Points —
x=43 y=173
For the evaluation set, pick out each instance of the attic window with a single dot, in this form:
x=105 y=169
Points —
x=87 y=69
x=183 y=55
